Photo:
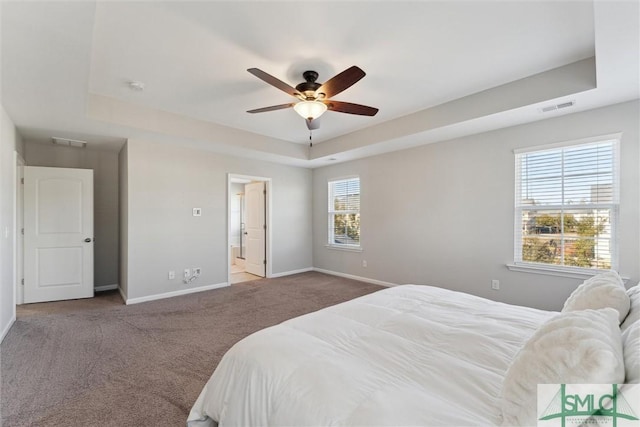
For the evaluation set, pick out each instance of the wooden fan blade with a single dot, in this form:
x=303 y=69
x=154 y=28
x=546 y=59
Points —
x=340 y=82
x=349 y=108
x=274 y=81
x=272 y=108
x=313 y=124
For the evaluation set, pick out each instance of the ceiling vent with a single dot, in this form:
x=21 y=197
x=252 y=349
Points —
x=69 y=142
x=557 y=106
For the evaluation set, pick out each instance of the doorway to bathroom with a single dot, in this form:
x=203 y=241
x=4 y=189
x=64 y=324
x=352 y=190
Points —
x=249 y=230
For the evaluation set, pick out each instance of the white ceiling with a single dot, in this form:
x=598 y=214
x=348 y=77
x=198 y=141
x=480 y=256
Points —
x=436 y=70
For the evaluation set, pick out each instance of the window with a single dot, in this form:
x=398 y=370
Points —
x=567 y=205
x=344 y=212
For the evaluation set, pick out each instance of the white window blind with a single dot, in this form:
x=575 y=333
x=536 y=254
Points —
x=567 y=205
x=344 y=212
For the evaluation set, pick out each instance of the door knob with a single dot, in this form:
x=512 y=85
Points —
x=88 y=239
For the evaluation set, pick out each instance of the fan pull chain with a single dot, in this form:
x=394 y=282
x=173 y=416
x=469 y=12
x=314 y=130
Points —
x=310 y=139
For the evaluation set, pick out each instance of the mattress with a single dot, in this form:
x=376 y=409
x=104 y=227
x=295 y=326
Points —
x=407 y=355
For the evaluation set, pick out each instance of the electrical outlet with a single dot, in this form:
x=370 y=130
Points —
x=495 y=285
x=187 y=273
x=196 y=271
x=172 y=274
x=364 y=263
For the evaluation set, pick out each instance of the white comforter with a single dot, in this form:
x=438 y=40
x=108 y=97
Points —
x=409 y=355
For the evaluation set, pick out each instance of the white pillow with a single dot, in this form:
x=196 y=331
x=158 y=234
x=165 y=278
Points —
x=631 y=349
x=634 y=308
x=580 y=347
x=600 y=291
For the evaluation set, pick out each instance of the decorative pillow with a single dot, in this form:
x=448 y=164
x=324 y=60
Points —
x=631 y=350
x=634 y=308
x=600 y=291
x=579 y=347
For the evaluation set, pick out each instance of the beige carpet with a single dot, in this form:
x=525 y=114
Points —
x=98 y=362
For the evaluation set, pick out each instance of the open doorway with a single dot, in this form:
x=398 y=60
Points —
x=249 y=228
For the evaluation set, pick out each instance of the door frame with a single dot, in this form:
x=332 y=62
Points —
x=18 y=221
x=268 y=234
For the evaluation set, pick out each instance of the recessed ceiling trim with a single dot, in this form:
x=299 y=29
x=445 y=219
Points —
x=561 y=82
x=123 y=113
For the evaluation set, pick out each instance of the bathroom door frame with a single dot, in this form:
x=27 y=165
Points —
x=268 y=235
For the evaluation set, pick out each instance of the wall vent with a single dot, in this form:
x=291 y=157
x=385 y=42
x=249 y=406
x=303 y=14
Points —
x=557 y=106
x=69 y=142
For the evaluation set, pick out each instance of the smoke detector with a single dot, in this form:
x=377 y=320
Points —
x=69 y=142
x=136 y=86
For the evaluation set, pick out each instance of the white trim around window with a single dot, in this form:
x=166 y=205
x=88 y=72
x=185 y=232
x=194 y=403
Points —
x=343 y=209
x=566 y=207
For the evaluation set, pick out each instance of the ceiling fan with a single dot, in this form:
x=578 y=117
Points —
x=314 y=97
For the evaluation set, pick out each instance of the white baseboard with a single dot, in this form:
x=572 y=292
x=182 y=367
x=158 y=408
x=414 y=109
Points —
x=103 y=288
x=289 y=273
x=130 y=301
x=5 y=331
x=138 y=300
x=351 y=276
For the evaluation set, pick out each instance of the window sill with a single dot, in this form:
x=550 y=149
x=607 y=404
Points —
x=344 y=248
x=553 y=270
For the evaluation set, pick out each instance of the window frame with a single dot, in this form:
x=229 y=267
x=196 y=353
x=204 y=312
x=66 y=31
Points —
x=331 y=212
x=614 y=208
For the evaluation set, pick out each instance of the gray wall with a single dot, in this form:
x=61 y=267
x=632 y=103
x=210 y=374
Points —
x=105 y=176
x=9 y=142
x=442 y=214
x=165 y=182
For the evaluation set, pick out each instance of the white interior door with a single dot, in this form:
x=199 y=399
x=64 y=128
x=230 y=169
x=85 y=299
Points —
x=58 y=234
x=255 y=228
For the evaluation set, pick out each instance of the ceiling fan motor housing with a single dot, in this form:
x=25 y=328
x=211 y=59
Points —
x=309 y=87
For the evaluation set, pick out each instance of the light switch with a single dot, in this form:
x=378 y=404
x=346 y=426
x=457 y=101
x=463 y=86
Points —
x=197 y=211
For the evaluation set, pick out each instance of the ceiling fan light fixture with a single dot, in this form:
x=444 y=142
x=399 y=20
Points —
x=310 y=109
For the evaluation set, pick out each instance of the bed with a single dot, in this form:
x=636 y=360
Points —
x=407 y=355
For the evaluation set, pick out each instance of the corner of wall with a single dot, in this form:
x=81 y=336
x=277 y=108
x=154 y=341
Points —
x=6 y=329
x=8 y=139
x=123 y=195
